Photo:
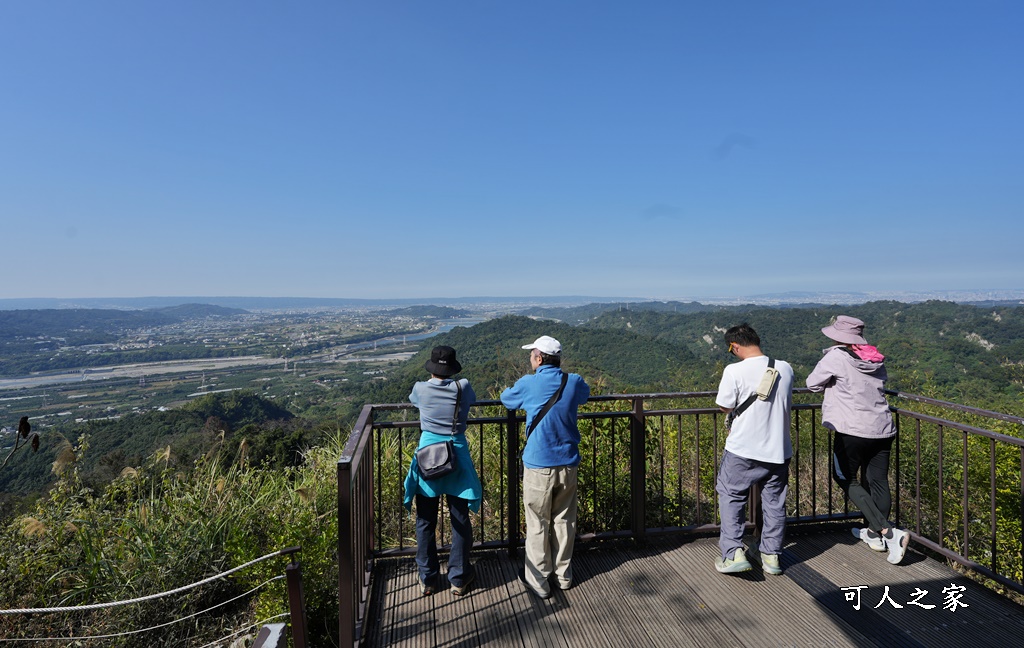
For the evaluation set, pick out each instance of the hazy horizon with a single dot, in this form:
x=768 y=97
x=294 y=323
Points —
x=283 y=302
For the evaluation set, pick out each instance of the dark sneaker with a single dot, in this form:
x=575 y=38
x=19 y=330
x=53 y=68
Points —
x=738 y=563
x=460 y=590
x=427 y=589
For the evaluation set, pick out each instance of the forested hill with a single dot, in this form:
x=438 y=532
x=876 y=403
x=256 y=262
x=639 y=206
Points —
x=273 y=436
x=958 y=352
x=611 y=360
x=579 y=314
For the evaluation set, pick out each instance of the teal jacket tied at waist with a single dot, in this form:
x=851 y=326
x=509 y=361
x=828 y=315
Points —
x=435 y=399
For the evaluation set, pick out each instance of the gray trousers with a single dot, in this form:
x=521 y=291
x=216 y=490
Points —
x=549 y=500
x=735 y=478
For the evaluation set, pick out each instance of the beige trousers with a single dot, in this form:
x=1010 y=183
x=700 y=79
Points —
x=549 y=498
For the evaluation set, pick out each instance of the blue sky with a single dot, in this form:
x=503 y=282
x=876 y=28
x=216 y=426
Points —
x=419 y=149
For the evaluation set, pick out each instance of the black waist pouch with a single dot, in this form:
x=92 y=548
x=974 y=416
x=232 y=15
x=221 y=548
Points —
x=436 y=460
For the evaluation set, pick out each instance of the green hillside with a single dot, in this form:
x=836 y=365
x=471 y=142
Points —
x=272 y=437
x=961 y=353
x=576 y=315
x=610 y=360
x=955 y=352
x=242 y=475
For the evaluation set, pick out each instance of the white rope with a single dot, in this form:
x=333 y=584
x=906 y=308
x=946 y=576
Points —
x=163 y=625
x=248 y=627
x=100 y=606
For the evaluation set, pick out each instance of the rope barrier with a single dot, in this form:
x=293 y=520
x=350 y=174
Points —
x=164 y=625
x=185 y=588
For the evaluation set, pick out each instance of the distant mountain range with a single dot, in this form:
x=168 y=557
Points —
x=980 y=297
x=297 y=303
x=95 y=326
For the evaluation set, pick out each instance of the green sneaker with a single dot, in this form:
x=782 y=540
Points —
x=738 y=563
x=770 y=564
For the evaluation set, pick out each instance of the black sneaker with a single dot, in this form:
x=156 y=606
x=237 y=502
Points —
x=427 y=589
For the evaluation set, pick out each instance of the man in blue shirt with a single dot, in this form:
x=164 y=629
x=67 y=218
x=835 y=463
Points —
x=550 y=461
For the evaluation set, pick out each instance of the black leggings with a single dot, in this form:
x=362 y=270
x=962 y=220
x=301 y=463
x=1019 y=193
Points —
x=871 y=493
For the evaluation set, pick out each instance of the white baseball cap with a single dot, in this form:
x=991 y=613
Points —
x=546 y=344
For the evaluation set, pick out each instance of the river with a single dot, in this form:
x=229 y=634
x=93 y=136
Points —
x=207 y=364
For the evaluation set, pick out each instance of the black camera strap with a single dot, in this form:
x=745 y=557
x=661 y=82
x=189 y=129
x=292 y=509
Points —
x=458 y=399
x=547 y=406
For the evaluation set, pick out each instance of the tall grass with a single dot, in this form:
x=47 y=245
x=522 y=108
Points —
x=155 y=529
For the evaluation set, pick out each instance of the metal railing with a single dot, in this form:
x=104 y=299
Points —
x=967 y=501
x=649 y=466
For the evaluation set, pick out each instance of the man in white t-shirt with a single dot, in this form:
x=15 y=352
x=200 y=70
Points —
x=757 y=450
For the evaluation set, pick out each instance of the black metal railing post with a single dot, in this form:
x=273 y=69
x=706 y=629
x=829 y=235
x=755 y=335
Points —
x=296 y=599
x=346 y=563
x=512 y=452
x=638 y=469
x=355 y=528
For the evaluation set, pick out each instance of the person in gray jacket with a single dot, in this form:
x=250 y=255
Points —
x=852 y=375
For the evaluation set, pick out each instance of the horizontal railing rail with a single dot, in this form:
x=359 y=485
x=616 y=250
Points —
x=957 y=407
x=649 y=466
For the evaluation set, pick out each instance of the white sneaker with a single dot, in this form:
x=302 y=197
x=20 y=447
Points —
x=870 y=538
x=897 y=545
x=770 y=564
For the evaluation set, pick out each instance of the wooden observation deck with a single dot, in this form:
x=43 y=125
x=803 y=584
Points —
x=648 y=515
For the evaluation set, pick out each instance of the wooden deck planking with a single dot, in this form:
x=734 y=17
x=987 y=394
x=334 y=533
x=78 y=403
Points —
x=597 y=618
x=847 y=562
x=641 y=593
x=383 y=589
x=760 y=609
x=455 y=618
x=495 y=620
x=414 y=614
x=537 y=623
x=694 y=619
x=667 y=593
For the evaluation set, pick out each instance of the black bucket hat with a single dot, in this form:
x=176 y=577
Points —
x=442 y=362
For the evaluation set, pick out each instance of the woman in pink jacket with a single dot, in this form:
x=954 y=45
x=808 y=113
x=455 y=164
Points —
x=852 y=375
